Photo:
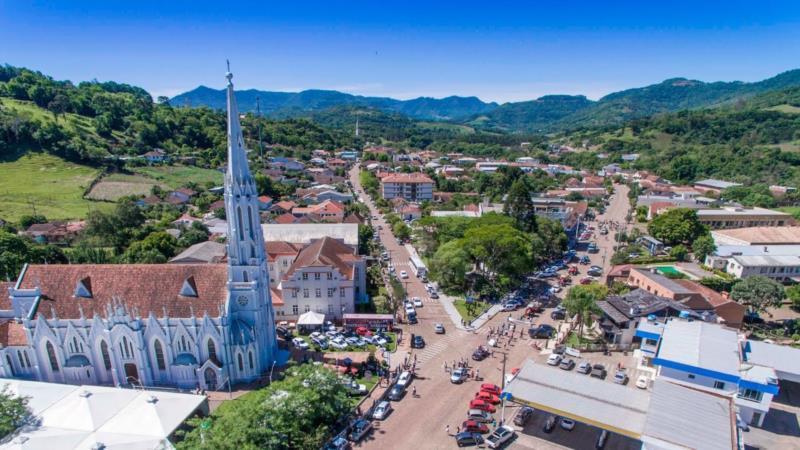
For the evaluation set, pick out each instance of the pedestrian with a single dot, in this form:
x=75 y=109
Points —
x=447 y=429
x=458 y=429
x=477 y=374
x=413 y=391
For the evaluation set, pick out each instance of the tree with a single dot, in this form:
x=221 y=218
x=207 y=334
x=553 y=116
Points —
x=14 y=412
x=758 y=293
x=581 y=301
x=679 y=252
x=519 y=206
x=449 y=264
x=401 y=230
x=59 y=105
x=365 y=233
x=703 y=246
x=676 y=226
x=793 y=294
x=30 y=219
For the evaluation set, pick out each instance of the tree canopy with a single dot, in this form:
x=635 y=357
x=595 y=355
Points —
x=676 y=226
x=758 y=293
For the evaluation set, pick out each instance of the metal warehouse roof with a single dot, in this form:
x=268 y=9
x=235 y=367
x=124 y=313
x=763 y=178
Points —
x=689 y=418
x=700 y=344
x=604 y=404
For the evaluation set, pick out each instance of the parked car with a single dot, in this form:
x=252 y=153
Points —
x=284 y=332
x=620 y=377
x=338 y=443
x=417 y=302
x=554 y=359
x=598 y=371
x=491 y=388
x=412 y=318
x=480 y=353
x=500 y=436
x=567 y=364
x=523 y=415
x=510 y=307
x=601 y=440
x=396 y=393
x=567 y=424
x=549 y=424
x=541 y=332
x=434 y=295
x=477 y=403
x=465 y=439
x=479 y=415
x=554 y=289
x=584 y=367
x=356 y=389
x=403 y=274
x=404 y=379
x=438 y=328
x=359 y=429
x=487 y=396
x=474 y=427
x=382 y=410
x=300 y=343
x=585 y=260
x=418 y=342
x=592 y=248
x=642 y=382
x=558 y=314
x=594 y=273
x=458 y=375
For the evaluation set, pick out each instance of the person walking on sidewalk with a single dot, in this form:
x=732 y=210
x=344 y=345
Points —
x=447 y=429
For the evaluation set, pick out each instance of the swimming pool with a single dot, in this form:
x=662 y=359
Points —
x=668 y=270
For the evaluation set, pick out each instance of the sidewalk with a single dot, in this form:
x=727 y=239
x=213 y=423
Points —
x=447 y=302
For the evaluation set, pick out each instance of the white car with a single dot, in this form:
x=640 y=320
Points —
x=379 y=340
x=382 y=410
x=405 y=379
x=554 y=359
x=500 y=436
x=438 y=328
x=300 y=343
x=555 y=289
x=410 y=310
x=403 y=274
x=567 y=424
x=338 y=343
x=417 y=302
x=458 y=375
x=642 y=382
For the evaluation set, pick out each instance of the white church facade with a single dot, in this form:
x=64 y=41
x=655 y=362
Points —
x=183 y=325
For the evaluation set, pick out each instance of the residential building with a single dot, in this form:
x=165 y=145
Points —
x=715 y=186
x=327 y=210
x=156 y=156
x=305 y=233
x=622 y=314
x=414 y=187
x=183 y=325
x=653 y=245
x=203 y=252
x=736 y=217
x=783 y=268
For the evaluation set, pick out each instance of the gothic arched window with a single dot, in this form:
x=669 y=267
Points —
x=159 y=351
x=241 y=363
x=212 y=350
x=10 y=365
x=250 y=357
x=250 y=223
x=51 y=355
x=105 y=355
x=240 y=223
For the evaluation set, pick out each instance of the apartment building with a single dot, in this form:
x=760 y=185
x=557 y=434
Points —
x=414 y=187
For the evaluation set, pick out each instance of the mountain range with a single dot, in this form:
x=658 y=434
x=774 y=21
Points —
x=545 y=114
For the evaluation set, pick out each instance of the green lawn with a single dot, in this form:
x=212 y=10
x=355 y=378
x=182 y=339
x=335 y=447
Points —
x=177 y=176
x=117 y=185
x=793 y=210
x=50 y=184
x=785 y=108
x=470 y=314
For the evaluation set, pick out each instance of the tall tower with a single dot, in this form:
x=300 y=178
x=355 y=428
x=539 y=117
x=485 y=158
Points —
x=250 y=315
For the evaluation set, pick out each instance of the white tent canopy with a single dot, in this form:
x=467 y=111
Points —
x=311 y=318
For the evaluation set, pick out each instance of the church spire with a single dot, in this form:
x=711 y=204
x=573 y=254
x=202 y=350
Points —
x=238 y=171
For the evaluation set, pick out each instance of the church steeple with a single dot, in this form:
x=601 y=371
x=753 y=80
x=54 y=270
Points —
x=238 y=168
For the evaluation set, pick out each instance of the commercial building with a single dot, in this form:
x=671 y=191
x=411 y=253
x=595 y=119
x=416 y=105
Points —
x=414 y=187
x=786 y=235
x=736 y=217
x=782 y=268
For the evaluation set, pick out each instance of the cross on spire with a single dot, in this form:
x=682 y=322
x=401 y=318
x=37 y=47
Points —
x=228 y=74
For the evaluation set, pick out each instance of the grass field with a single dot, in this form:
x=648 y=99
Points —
x=117 y=185
x=177 y=176
x=50 y=184
x=470 y=314
x=788 y=109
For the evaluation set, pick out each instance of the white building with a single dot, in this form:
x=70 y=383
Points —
x=180 y=325
x=781 y=268
x=414 y=187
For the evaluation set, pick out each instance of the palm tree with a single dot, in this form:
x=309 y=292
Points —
x=581 y=301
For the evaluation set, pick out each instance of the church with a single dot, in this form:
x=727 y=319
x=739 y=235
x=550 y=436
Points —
x=179 y=325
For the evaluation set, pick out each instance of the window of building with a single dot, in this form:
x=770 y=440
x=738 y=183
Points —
x=241 y=362
x=750 y=394
x=250 y=359
x=307 y=309
x=305 y=276
x=51 y=355
x=27 y=361
x=330 y=275
x=330 y=309
x=294 y=293
x=341 y=292
x=285 y=263
x=305 y=293
x=690 y=376
x=21 y=361
x=159 y=351
x=318 y=292
x=11 y=365
x=331 y=291
x=212 y=350
x=295 y=310
x=105 y=355
x=719 y=385
x=317 y=275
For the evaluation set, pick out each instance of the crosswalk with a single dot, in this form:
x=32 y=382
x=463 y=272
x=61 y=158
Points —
x=433 y=350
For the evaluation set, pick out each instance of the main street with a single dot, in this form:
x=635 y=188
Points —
x=420 y=422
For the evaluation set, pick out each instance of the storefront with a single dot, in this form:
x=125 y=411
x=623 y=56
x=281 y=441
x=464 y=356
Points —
x=384 y=322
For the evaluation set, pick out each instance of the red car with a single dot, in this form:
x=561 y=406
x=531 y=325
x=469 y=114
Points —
x=491 y=388
x=474 y=427
x=362 y=331
x=491 y=398
x=477 y=403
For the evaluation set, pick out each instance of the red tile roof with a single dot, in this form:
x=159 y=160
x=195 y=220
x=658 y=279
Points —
x=415 y=177
x=5 y=302
x=326 y=252
x=12 y=334
x=285 y=218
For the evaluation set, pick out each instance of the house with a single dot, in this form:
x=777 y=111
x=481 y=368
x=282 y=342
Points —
x=54 y=232
x=738 y=217
x=621 y=314
x=414 y=187
x=337 y=163
x=410 y=212
x=203 y=252
x=179 y=196
x=618 y=274
x=264 y=202
x=653 y=245
x=156 y=156
x=714 y=186
x=328 y=209
x=185 y=220
x=283 y=207
x=289 y=164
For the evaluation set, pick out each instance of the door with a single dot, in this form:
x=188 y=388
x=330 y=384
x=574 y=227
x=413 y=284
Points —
x=211 y=378
x=131 y=373
x=756 y=419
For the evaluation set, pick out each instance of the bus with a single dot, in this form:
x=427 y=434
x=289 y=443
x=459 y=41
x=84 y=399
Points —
x=417 y=266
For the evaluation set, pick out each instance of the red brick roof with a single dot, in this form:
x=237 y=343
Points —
x=407 y=178
x=285 y=218
x=275 y=248
x=326 y=252
x=12 y=334
x=5 y=302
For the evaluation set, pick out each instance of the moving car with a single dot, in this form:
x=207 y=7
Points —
x=541 y=332
x=418 y=342
x=598 y=371
x=491 y=388
x=474 y=427
x=477 y=403
x=642 y=382
x=403 y=274
x=620 y=377
x=359 y=429
x=567 y=364
x=585 y=260
x=480 y=353
x=465 y=439
x=500 y=436
x=300 y=343
x=554 y=359
x=438 y=328
x=584 y=367
x=479 y=415
x=417 y=302
x=487 y=396
x=523 y=415
x=382 y=410
x=396 y=393
x=549 y=424
x=567 y=424
x=458 y=375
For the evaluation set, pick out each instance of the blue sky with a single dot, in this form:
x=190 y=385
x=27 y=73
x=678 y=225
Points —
x=496 y=50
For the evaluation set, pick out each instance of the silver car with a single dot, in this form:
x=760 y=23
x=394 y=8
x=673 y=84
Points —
x=382 y=410
x=458 y=375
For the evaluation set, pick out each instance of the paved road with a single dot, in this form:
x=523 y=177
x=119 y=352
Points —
x=615 y=212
